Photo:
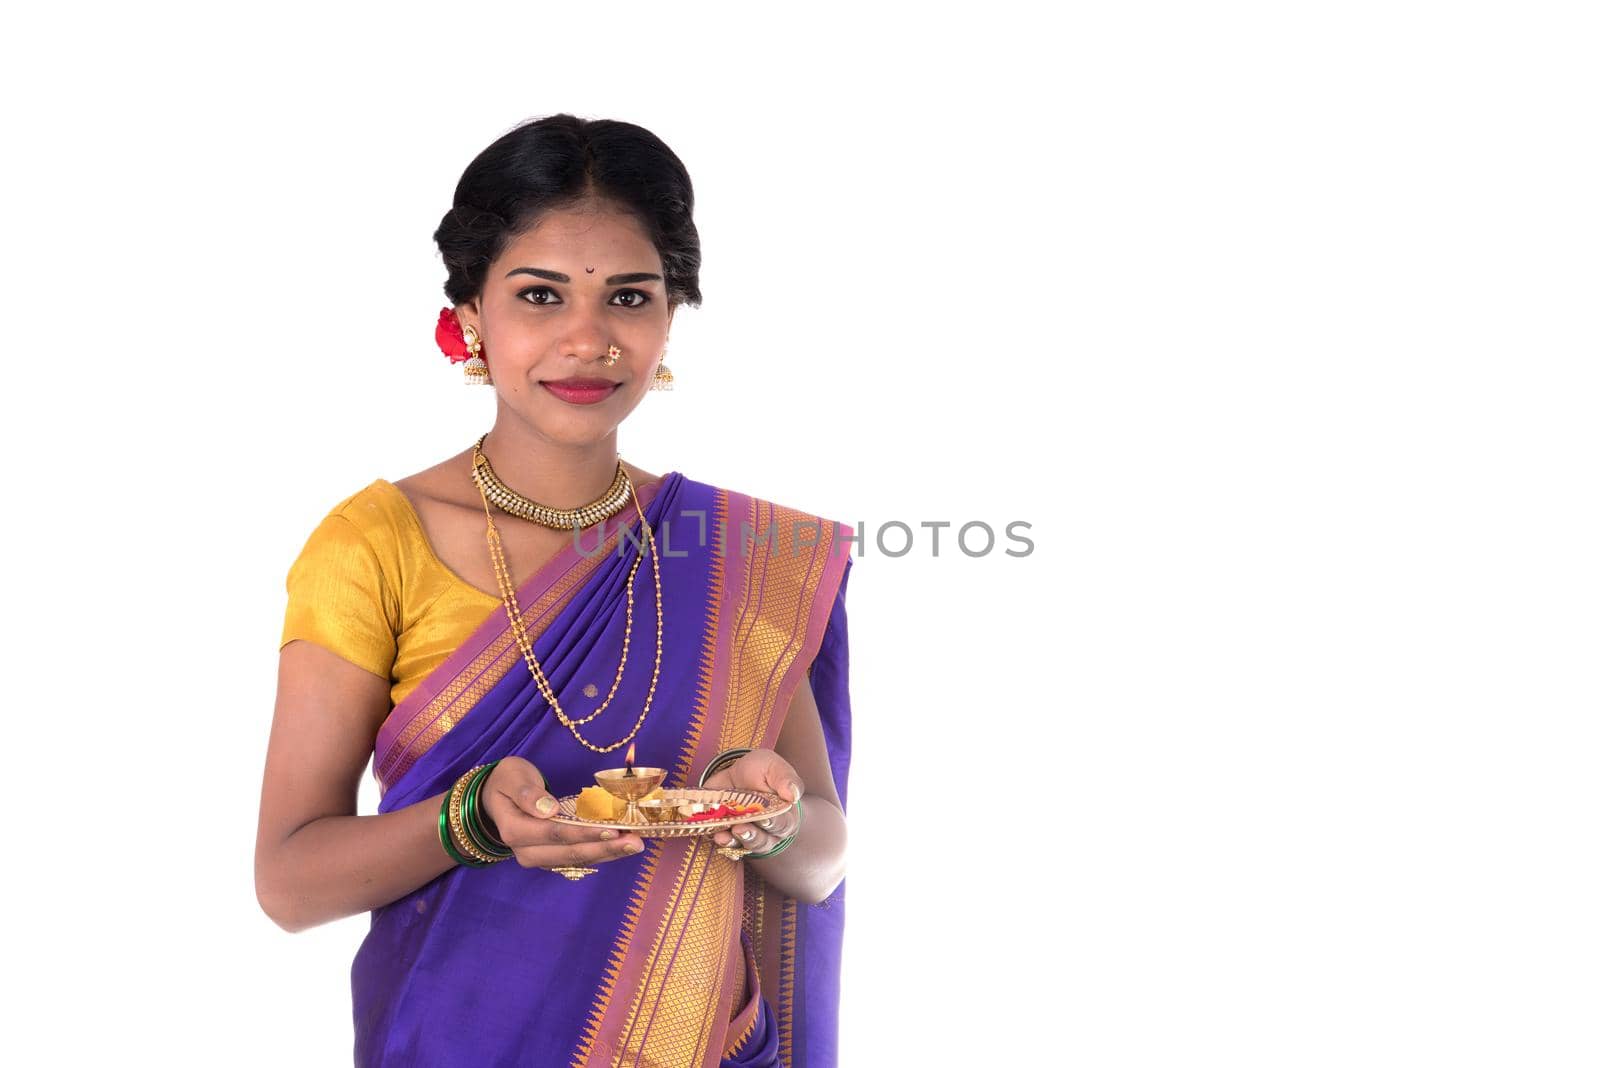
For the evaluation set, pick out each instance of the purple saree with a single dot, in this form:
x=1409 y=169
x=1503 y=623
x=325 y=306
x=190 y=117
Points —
x=676 y=957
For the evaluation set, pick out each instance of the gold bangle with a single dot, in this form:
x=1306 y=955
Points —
x=458 y=832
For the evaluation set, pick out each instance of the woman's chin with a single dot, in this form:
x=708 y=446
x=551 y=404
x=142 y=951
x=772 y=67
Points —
x=574 y=430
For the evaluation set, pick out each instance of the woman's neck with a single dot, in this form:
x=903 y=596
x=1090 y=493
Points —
x=556 y=475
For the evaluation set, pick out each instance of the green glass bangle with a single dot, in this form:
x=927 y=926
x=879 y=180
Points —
x=471 y=817
x=774 y=851
x=783 y=843
x=445 y=840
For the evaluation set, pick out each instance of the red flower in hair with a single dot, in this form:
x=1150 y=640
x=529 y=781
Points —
x=448 y=335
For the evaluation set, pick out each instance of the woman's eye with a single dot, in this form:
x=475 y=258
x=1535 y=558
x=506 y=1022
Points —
x=532 y=294
x=629 y=298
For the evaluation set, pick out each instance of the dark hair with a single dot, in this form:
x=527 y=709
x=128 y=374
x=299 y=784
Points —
x=559 y=162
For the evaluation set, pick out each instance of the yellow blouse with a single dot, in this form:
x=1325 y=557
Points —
x=368 y=587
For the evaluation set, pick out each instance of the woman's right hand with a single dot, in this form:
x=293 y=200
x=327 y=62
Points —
x=519 y=807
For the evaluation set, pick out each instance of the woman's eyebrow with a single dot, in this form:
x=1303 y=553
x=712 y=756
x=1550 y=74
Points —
x=557 y=276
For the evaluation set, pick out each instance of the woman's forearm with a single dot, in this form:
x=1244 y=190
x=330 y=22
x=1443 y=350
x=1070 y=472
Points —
x=813 y=866
x=339 y=866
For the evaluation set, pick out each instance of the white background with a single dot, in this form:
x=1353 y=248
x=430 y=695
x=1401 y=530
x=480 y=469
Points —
x=1277 y=322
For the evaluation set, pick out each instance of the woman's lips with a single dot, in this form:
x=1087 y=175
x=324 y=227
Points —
x=582 y=390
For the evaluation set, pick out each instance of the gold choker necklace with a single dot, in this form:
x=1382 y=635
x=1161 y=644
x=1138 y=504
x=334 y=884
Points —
x=511 y=502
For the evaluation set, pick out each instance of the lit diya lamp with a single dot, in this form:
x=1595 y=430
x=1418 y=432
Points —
x=630 y=784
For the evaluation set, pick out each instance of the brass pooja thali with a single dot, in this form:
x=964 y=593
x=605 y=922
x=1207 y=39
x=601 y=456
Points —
x=684 y=813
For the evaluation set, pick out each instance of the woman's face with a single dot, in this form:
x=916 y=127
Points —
x=554 y=302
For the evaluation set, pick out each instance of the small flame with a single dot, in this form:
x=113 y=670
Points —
x=629 y=757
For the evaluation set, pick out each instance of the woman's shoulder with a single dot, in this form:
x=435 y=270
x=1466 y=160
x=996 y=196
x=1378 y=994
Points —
x=376 y=511
x=343 y=586
x=373 y=529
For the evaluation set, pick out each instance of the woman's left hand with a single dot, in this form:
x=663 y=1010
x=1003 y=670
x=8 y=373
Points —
x=764 y=770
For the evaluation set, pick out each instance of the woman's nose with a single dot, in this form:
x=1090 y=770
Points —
x=587 y=340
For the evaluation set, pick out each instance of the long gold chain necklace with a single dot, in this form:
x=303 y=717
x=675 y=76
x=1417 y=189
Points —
x=508 y=500
x=508 y=594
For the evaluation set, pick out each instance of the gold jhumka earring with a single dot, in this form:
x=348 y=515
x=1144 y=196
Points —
x=477 y=371
x=663 y=377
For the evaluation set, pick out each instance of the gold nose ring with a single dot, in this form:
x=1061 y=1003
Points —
x=613 y=354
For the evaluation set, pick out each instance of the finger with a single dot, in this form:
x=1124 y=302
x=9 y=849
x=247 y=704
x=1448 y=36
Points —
x=768 y=772
x=527 y=792
x=781 y=826
x=781 y=779
x=522 y=785
x=513 y=772
x=600 y=852
x=522 y=811
x=528 y=831
x=743 y=834
x=579 y=853
x=515 y=827
x=539 y=801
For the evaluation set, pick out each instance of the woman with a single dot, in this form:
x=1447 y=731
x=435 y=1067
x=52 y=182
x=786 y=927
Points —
x=709 y=637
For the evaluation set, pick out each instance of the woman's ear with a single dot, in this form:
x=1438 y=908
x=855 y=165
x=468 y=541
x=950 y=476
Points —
x=467 y=315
